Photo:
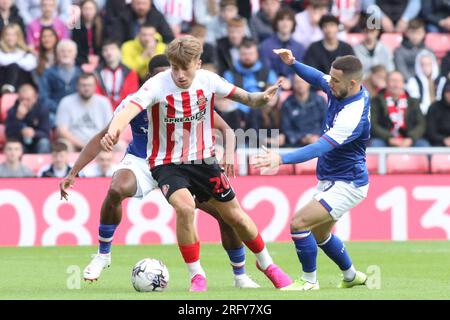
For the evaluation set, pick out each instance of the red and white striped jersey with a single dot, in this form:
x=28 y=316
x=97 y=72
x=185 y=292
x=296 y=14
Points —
x=181 y=121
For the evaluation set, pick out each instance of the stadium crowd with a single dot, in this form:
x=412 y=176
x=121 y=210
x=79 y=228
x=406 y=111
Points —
x=66 y=65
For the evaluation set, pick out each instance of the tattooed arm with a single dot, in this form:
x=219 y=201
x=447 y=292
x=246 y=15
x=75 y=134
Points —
x=255 y=99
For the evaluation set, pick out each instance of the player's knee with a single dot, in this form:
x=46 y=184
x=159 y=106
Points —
x=299 y=223
x=235 y=218
x=116 y=193
x=185 y=212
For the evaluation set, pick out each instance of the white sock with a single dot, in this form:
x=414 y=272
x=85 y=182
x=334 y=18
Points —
x=349 y=274
x=310 y=276
x=240 y=276
x=264 y=259
x=195 y=268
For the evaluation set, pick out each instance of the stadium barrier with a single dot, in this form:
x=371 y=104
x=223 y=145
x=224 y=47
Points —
x=398 y=207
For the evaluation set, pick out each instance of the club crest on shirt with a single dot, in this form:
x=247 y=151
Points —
x=165 y=189
x=202 y=100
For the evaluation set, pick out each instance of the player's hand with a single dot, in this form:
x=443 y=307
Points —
x=272 y=91
x=109 y=141
x=285 y=55
x=268 y=159
x=65 y=184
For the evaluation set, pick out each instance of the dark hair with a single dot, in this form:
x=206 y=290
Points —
x=328 y=18
x=415 y=24
x=86 y=75
x=108 y=42
x=158 y=61
x=350 y=65
x=282 y=14
x=97 y=22
x=248 y=43
x=59 y=146
x=13 y=140
x=147 y=24
x=42 y=59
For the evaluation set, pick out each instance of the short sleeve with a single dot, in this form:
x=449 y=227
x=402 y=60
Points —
x=147 y=95
x=221 y=86
x=348 y=124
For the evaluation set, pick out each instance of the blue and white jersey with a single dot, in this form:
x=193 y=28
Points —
x=139 y=130
x=346 y=128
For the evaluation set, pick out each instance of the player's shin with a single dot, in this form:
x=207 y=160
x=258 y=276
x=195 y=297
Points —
x=335 y=249
x=306 y=247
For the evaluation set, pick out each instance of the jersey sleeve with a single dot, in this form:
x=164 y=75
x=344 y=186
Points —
x=147 y=95
x=348 y=125
x=221 y=86
x=122 y=104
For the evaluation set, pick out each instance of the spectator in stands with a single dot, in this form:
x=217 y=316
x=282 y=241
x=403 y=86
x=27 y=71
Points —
x=396 y=117
x=445 y=66
x=88 y=36
x=302 y=115
x=115 y=80
x=249 y=73
x=228 y=47
x=83 y=114
x=261 y=24
x=47 y=50
x=16 y=59
x=284 y=26
x=307 y=29
x=137 y=53
x=395 y=15
x=59 y=168
x=103 y=166
x=413 y=42
x=438 y=119
x=348 y=13
x=61 y=79
x=218 y=27
x=205 y=11
x=376 y=80
x=125 y=25
x=13 y=167
x=10 y=14
x=32 y=9
x=372 y=51
x=208 y=56
x=178 y=13
x=427 y=84
x=436 y=14
x=28 y=122
x=48 y=18
x=322 y=53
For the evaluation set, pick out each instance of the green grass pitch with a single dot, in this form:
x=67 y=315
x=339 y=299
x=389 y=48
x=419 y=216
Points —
x=408 y=270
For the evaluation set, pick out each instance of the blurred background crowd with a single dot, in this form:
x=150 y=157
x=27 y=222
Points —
x=65 y=65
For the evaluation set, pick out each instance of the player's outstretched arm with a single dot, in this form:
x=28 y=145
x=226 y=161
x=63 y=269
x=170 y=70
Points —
x=307 y=73
x=255 y=99
x=270 y=159
x=118 y=125
x=87 y=154
x=229 y=142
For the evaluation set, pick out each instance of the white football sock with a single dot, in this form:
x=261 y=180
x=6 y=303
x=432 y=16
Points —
x=349 y=274
x=195 y=268
x=264 y=259
x=310 y=276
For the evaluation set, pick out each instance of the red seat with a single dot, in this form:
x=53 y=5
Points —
x=7 y=101
x=440 y=163
x=372 y=163
x=392 y=40
x=407 y=163
x=36 y=161
x=283 y=170
x=308 y=167
x=2 y=136
x=354 y=39
x=439 y=43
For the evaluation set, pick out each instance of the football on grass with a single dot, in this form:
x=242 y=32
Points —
x=150 y=275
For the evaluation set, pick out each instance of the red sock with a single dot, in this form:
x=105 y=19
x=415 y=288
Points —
x=190 y=252
x=257 y=245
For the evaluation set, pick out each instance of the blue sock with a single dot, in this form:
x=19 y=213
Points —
x=306 y=246
x=105 y=237
x=334 y=248
x=237 y=259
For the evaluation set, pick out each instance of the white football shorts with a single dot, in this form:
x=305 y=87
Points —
x=338 y=197
x=141 y=170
